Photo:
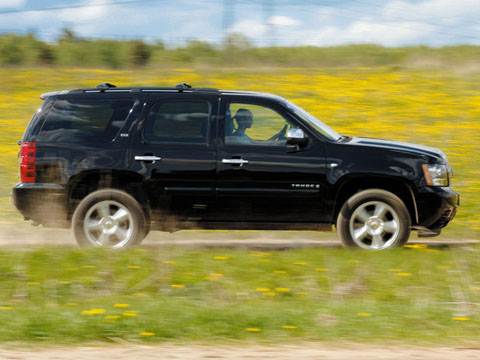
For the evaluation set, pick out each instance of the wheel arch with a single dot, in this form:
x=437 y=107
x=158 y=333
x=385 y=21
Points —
x=350 y=185
x=89 y=181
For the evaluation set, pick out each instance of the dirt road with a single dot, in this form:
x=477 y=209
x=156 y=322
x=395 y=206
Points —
x=303 y=351
x=24 y=235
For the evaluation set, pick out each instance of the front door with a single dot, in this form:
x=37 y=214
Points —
x=174 y=152
x=260 y=179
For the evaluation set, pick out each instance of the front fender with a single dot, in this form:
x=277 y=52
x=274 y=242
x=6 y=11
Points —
x=350 y=169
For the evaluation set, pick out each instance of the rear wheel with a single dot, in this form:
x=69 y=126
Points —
x=374 y=220
x=109 y=218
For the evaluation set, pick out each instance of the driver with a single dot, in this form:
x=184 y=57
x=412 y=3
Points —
x=244 y=119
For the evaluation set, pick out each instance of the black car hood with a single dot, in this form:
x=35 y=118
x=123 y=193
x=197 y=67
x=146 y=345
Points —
x=399 y=146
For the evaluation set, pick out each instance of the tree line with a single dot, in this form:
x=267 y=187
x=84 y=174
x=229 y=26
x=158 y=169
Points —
x=236 y=50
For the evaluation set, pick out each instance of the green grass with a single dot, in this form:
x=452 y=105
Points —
x=415 y=295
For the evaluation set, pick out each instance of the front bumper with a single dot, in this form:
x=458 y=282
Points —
x=45 y=204
x=437 y=206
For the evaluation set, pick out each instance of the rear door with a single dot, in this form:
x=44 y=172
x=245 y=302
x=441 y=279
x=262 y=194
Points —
x=173 y=148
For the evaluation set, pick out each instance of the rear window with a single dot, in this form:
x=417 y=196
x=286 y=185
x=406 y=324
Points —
x=178 y=121
x=79 y=121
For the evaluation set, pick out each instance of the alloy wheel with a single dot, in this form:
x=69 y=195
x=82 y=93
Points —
x=374 y=225
x=108 y=224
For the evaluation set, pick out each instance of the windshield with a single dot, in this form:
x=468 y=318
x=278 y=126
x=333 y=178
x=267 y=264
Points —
x=322 y=128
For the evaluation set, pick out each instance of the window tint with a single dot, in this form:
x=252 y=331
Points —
x=249 y=124
x=178 y=121
x=80 y=121
x=37 y=121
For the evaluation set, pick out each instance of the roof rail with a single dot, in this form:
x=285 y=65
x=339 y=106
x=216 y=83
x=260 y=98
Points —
x=105 y=86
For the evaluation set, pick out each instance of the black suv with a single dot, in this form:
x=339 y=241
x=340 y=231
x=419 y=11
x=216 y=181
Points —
x=116 y=162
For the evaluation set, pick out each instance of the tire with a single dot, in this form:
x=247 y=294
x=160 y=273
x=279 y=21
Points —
x=109 y=218
x=374 y=219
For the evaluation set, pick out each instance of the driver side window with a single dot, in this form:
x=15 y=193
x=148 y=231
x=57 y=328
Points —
x=248 y=124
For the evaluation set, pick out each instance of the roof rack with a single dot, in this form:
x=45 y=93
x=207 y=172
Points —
x=108 y=87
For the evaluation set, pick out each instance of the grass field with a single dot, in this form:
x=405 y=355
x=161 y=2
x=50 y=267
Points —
x=416 y=295
x=413 y=295
x=436 y=108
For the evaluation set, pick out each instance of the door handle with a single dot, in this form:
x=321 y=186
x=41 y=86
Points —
x=151 y=158
x=240 y=162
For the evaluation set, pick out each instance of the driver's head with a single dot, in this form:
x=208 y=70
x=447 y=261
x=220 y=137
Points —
x=244 y=118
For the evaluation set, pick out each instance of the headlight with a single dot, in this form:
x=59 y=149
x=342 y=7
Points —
x=436 y=175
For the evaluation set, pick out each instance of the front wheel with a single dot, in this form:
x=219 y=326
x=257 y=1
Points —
x=109 y=218
x=374 y=220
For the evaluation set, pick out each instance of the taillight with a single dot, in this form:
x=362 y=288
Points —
x=28 y=154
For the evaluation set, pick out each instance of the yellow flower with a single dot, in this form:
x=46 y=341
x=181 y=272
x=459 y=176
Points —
x=214 y=276
x=262 y=289
x=301 y=263
x=6 y=308
x=364 y=314
x=121 y=306
x=130 y=313
x=282 y=290
x=146 y=333
x=460 y=318
x=403 y=273
x=221 y=257
x=289 y=327
x=416 y=246
x=94 y=311
x=177 y=286
x=253 y=329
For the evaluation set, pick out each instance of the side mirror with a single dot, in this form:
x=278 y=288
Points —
x=296 y=138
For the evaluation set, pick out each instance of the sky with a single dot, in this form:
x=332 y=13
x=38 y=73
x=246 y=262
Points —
x=264 y=22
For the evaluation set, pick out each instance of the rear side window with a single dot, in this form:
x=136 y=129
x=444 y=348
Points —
x=79 y=121
x=37 y=121
x=178 y=121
